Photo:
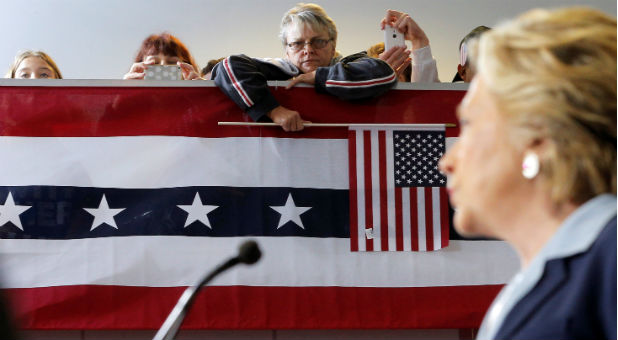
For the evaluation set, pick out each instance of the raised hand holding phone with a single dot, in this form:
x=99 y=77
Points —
x=162 y=72
x=403 y=23
x=392 y=38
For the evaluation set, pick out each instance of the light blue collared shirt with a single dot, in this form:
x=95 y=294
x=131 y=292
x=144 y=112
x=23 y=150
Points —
x=570 y=239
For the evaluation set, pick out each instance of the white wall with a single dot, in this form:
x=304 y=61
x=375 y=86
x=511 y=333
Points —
x=98 y=39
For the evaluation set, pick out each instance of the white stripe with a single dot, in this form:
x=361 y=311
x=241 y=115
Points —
x=450 y=141
x=375 y=191
x=241 y=91
x=166 y=261
x=360 y=189
x=203 y=83
x=347 y=83
x=407 y=232
x=435 y=208
x=359 y=86
x=161 y=162
x=420 y=204
x=390 y=192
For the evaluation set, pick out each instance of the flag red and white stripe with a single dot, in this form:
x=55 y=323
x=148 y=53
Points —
x=62 y=138
x=385 y=216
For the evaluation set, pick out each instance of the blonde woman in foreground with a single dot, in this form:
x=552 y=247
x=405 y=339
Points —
x=535 y=165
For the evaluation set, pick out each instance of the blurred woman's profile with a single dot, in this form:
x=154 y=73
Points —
x=535 y=165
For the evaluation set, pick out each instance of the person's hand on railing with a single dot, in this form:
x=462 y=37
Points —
x=289 y=120
x=305 y=78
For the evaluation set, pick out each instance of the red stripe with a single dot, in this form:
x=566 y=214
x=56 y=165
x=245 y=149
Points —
x=398 y=219
x=235 y=83
x=429 y=218
x=383 y=199
x=368 y=187
x=360 y=83
x=444 y=216
x=243 y=307
x=414 y=218
x=353 y=199
x=41 y=111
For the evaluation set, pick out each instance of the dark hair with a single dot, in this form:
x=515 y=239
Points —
x=211 y=64
x=166 y=44
x=475 y=33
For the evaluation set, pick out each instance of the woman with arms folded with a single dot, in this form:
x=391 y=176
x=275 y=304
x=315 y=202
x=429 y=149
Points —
x=535 y=165
x=163 y=49
x=34 y=65
x=309 y=37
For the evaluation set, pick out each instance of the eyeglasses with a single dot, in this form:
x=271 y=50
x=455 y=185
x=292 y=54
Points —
x=315 y=43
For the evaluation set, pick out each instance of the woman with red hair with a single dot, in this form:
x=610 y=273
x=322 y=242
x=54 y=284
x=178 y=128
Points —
x=163 y=49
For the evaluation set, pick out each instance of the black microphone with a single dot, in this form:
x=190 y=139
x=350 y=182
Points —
x=249 y=253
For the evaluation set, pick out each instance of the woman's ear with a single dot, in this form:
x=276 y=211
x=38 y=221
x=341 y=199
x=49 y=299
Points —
x=535 y=152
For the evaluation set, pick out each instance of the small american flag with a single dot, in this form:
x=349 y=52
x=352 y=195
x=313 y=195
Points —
x=398 y=199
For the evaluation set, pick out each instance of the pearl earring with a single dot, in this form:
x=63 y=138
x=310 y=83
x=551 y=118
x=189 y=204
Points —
x=530 y=166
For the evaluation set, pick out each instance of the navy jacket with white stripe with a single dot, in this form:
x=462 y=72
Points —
x=244 y=79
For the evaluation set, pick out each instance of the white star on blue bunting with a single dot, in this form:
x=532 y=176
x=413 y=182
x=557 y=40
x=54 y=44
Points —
x=9 y=212
x=103 y=214
x=290 y=212
x=198 y=211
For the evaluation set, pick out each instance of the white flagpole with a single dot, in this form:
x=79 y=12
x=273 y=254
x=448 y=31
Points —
x=342 y=124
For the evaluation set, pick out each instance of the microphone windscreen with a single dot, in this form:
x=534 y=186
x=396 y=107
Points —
x=249 y=252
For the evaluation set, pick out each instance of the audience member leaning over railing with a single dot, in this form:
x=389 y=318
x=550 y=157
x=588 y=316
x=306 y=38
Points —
x=309 y=38
x=33 y=65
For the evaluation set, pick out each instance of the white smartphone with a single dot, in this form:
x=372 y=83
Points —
x=392 y=38
x=162 y=72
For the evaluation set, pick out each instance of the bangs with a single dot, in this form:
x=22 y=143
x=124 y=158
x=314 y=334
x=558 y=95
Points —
x=160 y=46
x=165 y=44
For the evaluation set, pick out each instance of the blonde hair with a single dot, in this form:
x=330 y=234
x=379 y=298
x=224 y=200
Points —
x=553 y=74
x=308 y=14
x=27 y=54
x=375 y=50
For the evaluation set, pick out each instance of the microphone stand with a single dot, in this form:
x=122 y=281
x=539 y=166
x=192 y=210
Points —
x=171 y=325
x=249 y=253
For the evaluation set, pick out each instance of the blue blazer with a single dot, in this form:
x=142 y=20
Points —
x=574 y=299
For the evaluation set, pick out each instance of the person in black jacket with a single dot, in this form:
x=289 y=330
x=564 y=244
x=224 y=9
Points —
x=309 y=37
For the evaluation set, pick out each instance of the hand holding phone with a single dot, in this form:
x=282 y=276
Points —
x=392 y=38
x=162 y=72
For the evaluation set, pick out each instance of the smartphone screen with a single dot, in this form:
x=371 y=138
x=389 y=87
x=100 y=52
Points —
x=392 y=38
x=163 y=72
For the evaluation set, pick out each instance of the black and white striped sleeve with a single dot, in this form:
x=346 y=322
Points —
x=356 y=77
x=244 y=80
